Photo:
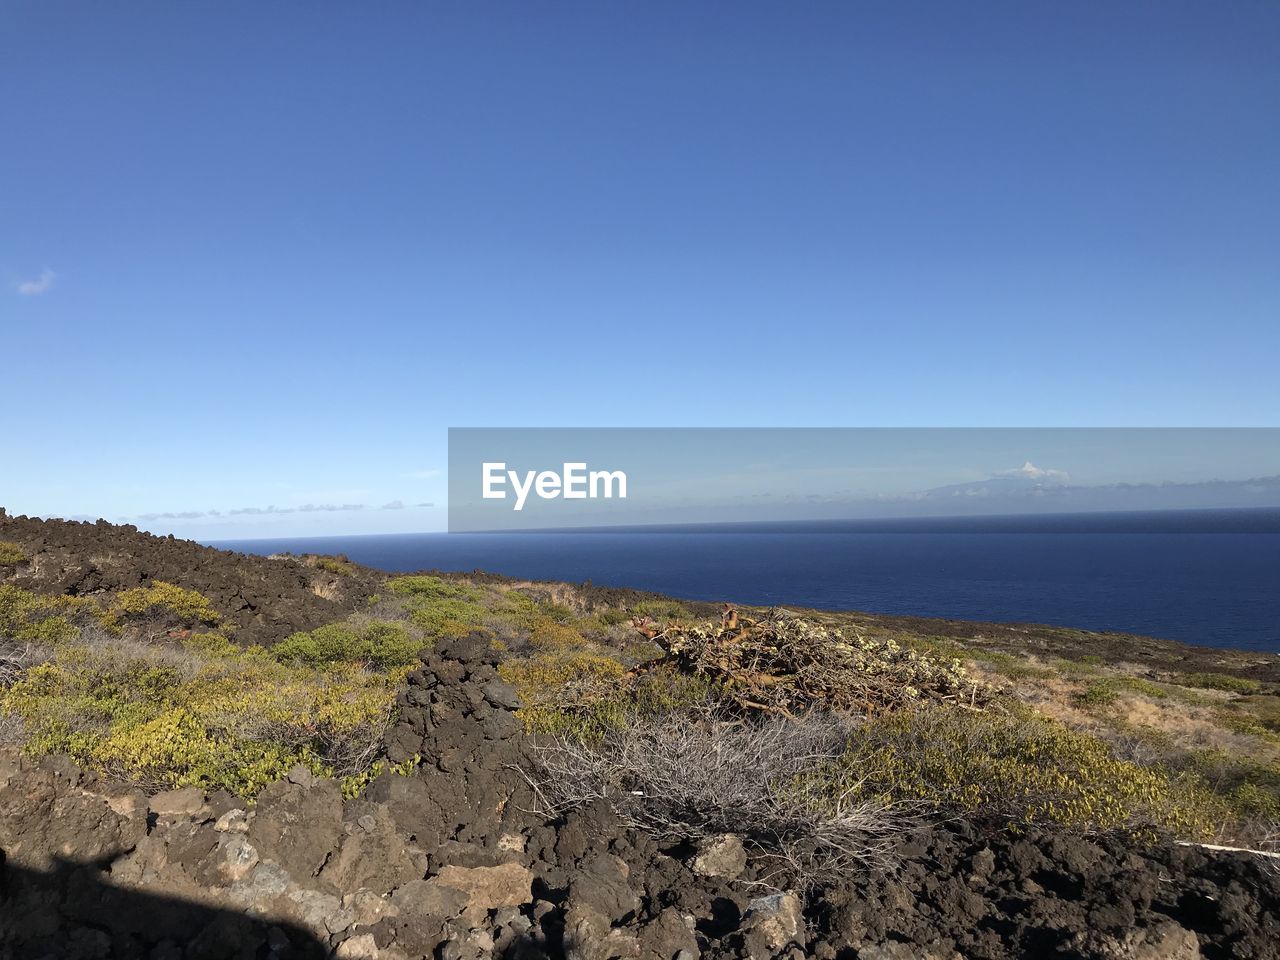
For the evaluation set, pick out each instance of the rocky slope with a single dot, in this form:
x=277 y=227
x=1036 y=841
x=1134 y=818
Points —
x=263 y=599
x=456 y=857
x=453 y=863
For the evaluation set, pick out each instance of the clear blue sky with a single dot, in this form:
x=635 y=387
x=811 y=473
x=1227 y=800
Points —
x=264 y=254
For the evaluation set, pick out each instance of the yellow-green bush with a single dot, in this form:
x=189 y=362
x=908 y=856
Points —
x=584 y=692
x=547 y=634
x=45 y=620
x=564 y=690
x=337 y=565
x=377 y=645
x=441 y=607
x=356 y=784
x=10 y=554
x=1022 y=767
x=1219 y=681
x=166 y=600
x=1014 y=667
x=1251 y=787
x=1100 y=694
x=206 y=714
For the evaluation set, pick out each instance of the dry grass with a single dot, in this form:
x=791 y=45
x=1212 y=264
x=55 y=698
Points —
x=694 y=776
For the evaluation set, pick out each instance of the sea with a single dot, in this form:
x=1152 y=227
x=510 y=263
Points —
x=1194 y=579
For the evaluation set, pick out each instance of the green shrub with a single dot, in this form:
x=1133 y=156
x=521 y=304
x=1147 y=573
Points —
x=1250 y=787
x=44 y=620
x=442 y=608
x=434 y=588
x=1219 y=681
x=165 y=600
x=585 y=692
x=1238 y=721
x=10 y=554
x=207 y=714
x=1022 y=767
x=1144 y=687
x=1083 y=666
x=337 y=565
x=377 y=645
x=610 y=617
x=356 y=784
x=1100 y=694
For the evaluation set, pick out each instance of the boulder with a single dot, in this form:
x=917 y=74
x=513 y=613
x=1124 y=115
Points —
x=773 y=922
x=722 y=856
x=372 y=854
x=506 y=885
x=297 y=826
x=186 y=802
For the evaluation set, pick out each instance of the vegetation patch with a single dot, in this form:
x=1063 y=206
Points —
x=1218 y=681
x=787 y=665
x=32 y=618
x=373 y=644
x=1097 y=695
x=338 y=565
x=1018 y=767
x=165 y=601
x=204 y=712
x=442 y=608
x=10 y=554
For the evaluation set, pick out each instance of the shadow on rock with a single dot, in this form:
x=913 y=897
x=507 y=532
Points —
x=73 y=911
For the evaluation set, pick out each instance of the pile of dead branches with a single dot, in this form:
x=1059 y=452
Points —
x=783 y=664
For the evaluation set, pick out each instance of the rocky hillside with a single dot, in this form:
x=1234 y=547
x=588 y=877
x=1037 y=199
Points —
x=263 y=599
x=455 y=862
x=362 y=766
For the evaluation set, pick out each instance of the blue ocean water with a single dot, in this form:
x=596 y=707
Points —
x=1211 y=588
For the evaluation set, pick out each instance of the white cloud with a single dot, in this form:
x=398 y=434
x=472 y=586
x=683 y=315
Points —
x=1029 y=471
x=40 y=285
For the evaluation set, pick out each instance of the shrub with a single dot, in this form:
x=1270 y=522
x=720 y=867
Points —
x=354 y=785
x=433 y=588
x=584 y=692
x=10 y=554
x=376 y=645
x=567 y=691
x=1250 y=787
x=1085 y=665
x=209 y=715
x=160 y=600
x=45 y=620
x=337 y=565
x=786 y=664
x=661 y=611
x=1144 y=687
x=1219 y=681
x=441 y=607
x=547 y=634
x=691 y=776
x=610 y=617
x=1100 y=694
x=1020 y=767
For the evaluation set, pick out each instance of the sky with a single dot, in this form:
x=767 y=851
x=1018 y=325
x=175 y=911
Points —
x=260 y=257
